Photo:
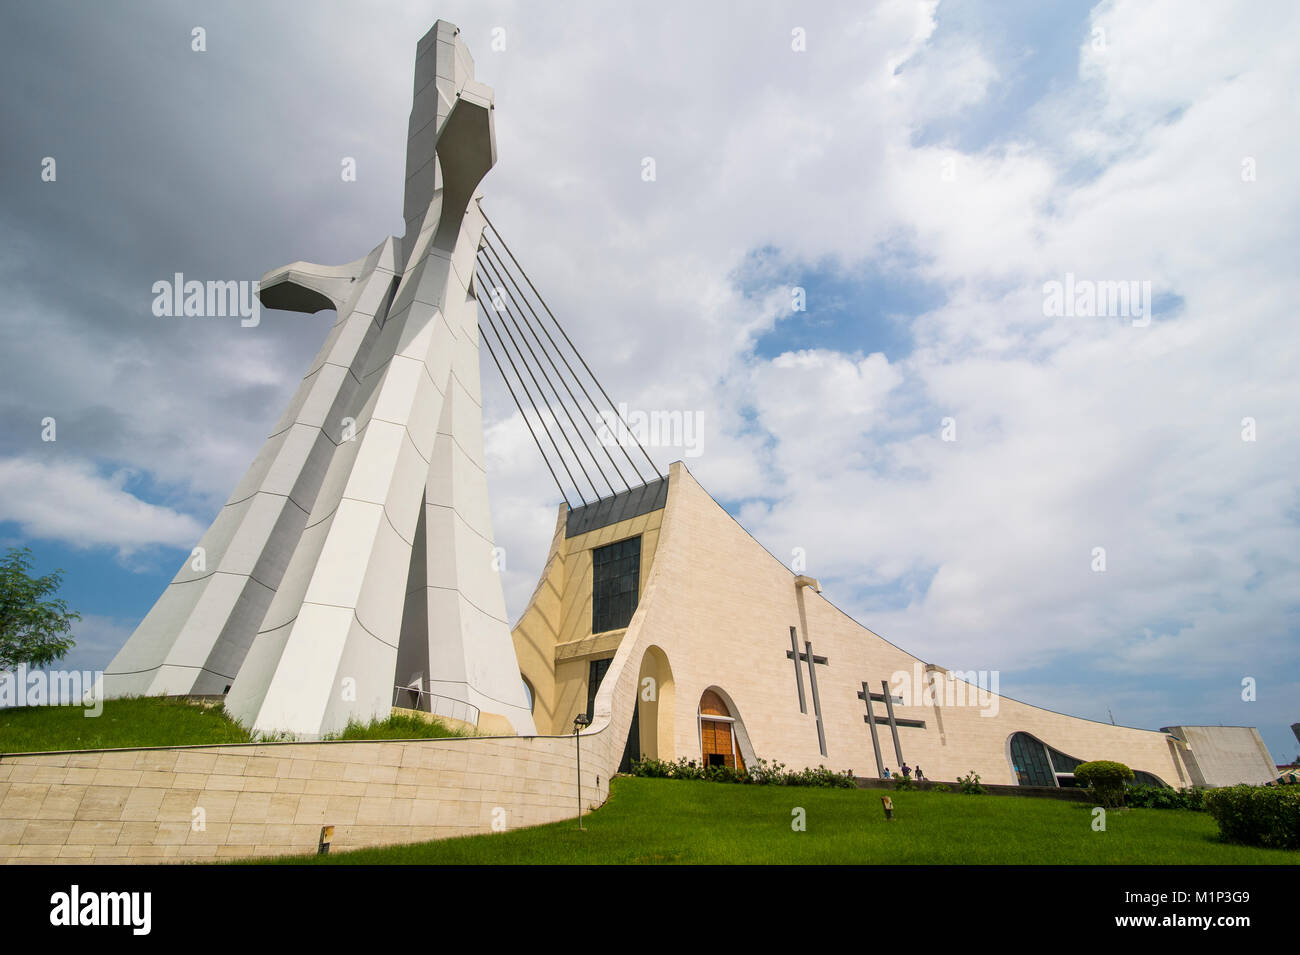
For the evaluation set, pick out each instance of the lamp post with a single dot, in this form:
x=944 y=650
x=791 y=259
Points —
x=579 y=722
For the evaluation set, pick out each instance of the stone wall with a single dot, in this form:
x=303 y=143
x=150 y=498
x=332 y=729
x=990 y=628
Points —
x=255 y=799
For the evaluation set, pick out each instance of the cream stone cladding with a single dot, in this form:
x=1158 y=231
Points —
x=553 y=638
x=719 y=608
x=142 y=805
x=1225 y=755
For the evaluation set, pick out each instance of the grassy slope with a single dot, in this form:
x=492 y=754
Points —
x=657 y=820
x=141 y=721
x=667 y=821
x=398 y=726
x=157 y=721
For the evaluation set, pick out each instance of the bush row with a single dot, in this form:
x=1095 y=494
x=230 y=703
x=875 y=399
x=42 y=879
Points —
x=1267 y=816
x=968 y=784
x=1112 y=784
x=761 y=773
x=1162 y=797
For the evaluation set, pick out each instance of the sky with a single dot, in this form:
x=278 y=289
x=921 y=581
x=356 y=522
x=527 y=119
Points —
x=951 y=456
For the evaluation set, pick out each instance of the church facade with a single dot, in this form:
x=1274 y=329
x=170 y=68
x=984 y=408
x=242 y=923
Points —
x=659 y=617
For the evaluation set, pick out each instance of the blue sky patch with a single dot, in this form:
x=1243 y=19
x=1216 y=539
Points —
x=864 y=308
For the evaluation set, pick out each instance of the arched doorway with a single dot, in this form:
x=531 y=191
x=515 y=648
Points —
x=654 y=705
x=719 y=742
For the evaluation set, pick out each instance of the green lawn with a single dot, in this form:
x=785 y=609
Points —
x=137 y=721
x=398 y=726
x=671 y=821
x=160 y=721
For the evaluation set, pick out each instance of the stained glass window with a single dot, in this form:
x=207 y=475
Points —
x=616 y=575
x=1029 y=757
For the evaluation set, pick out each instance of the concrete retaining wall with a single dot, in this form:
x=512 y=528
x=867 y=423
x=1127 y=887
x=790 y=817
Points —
x=208 y=802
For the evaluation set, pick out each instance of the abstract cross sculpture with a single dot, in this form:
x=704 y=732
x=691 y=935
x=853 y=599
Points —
x=356 y=557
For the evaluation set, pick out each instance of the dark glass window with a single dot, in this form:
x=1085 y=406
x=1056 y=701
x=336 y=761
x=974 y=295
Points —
x=1038 y=764
x=632 y=749
x=1063 y=763
x=616 y=575
x=1146 y=779
x=1029 y=757
x=595 y=673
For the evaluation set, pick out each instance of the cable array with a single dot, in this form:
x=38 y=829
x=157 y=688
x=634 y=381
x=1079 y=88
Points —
x=592 y=432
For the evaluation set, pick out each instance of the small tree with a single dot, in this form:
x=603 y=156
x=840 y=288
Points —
x=33 y=629
x=1107 y=779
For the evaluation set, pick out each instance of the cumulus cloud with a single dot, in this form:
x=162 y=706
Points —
x=68 y=501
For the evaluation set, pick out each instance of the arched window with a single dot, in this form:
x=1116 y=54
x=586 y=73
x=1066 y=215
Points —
x=1030 y=761
x=1141 y=778
x=1037 y=764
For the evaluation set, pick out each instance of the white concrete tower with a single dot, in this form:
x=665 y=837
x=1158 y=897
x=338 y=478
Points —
x=357 y=553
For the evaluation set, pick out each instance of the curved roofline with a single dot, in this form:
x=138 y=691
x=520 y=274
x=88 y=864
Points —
x=848 y=616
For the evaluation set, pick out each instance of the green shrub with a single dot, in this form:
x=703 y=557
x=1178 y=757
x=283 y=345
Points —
x=1151 y=797
x=1163 y=797
x=904 y=783
x=1267 y=816
x=652 y=768
x=821 y=777
x=762 y=773
x=1106 y=778
x=834 y=780
x=724 y=774
x=970 y=784
x=682 y=769
x=940 y=788
x=687 y=769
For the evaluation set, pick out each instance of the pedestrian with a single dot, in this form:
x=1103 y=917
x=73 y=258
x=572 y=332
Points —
x=886 y=772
